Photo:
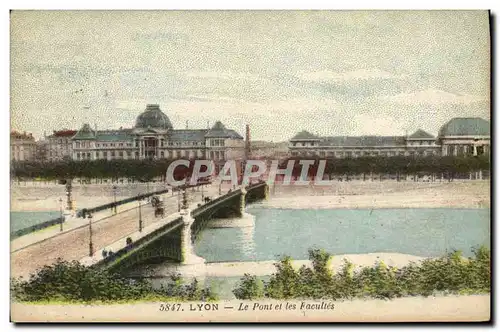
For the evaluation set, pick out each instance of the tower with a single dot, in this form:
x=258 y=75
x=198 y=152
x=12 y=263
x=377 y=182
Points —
x=247 y=142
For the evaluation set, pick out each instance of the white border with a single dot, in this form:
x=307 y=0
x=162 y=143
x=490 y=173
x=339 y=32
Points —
x=185 y=4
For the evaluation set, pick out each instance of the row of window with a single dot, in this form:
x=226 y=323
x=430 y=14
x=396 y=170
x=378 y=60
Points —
x=459 y=149
x=347 y=154
x=216 y=142
x=410 y=143
x=162 y=143
x=84 y=144
x=163 y=154
x=417 y=143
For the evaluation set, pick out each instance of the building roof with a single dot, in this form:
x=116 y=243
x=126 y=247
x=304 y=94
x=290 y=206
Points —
x=85 y=133
x=153 y=117
x=187 y=135
x=17 y=135
x=465 y=127
x=420 y=134
x=219 y=130
x=304 y=134
x=364 y=141
x=64 y=133
x=114 y=135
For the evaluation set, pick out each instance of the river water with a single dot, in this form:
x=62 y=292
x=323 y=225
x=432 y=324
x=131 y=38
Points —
x=22 y=219
x=268 y=233
x=275 y=232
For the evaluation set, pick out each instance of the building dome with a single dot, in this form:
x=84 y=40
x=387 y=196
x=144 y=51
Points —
x=465 y=127
x=153 y=117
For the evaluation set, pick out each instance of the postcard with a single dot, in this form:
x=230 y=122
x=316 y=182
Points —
x=250 y=166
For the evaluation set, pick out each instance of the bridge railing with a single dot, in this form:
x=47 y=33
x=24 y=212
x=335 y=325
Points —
x=213 y=202
x=84 y=212
x=108 y=260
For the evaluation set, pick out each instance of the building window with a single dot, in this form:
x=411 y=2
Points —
x=88 y=155
x=77 y=145
x=162 y=154
x=120 y=154
x=129 y=154
x=137 y=155
x=112 y=153
x=77 y=155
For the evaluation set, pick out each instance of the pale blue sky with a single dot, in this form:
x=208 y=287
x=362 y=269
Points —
x=332 y=73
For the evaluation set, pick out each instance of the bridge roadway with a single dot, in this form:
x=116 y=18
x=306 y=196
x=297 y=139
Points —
x=74 y=244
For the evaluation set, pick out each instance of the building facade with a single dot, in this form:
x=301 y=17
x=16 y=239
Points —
x=465 y=136
x=22 y=146
x=459 y=136
x=59 y=145
x=153 y=137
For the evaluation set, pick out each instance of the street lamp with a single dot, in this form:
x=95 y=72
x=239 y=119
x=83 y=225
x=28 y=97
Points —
x=61 y=218
x=140 y=216
x=220 y=188
x=178 y=199
x=114 y=197
x=91 y=245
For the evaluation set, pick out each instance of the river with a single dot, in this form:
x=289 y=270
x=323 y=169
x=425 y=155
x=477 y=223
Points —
x=268 y=233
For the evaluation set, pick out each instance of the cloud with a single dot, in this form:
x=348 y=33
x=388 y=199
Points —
x=326 y=76
x=433 y=97
x=223 y=75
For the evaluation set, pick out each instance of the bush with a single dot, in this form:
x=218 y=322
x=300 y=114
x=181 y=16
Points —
x=251 y=288
x=450 y=274
x=73 y=282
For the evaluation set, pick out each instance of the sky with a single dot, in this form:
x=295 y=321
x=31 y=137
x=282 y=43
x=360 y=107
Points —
x=328 y=72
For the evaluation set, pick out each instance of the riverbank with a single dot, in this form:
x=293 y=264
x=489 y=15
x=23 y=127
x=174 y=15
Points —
x=409 y=309
x=382 y=195
x=264 y=268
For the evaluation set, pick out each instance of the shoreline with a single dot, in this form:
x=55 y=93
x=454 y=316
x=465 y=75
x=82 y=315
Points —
x=264 y=268
x=390 y=195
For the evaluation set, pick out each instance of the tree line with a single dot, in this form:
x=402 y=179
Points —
x=146 y=170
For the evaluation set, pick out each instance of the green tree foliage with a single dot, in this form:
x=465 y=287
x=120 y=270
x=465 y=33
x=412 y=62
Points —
x=251 y=288
x=450 y=274
x=73 y=282
x=449 y=166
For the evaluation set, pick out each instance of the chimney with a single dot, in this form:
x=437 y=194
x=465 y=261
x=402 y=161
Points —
x=208 y=124
x=187 y=126
x=247 y=142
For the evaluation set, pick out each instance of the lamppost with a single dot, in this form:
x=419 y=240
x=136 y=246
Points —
x=114 y=198
x=69 y=188
x=61 y=218
x=91 y=245
x=220 y=188
x=202 y=196
x=140 y=216
x=178 y=199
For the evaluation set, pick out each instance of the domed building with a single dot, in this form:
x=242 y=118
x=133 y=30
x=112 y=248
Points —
x=459 y=136
x=154 y=137
x=153 y=117
x=465 y=136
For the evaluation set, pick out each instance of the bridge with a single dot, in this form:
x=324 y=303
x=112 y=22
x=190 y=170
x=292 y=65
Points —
x=172 y=238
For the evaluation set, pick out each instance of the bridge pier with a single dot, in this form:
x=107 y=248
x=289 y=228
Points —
x=188 y=257
x=241 y=209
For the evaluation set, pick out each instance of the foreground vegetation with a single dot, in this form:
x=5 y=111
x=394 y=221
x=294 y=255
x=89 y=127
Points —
x=72 y=282
x=450 y=274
